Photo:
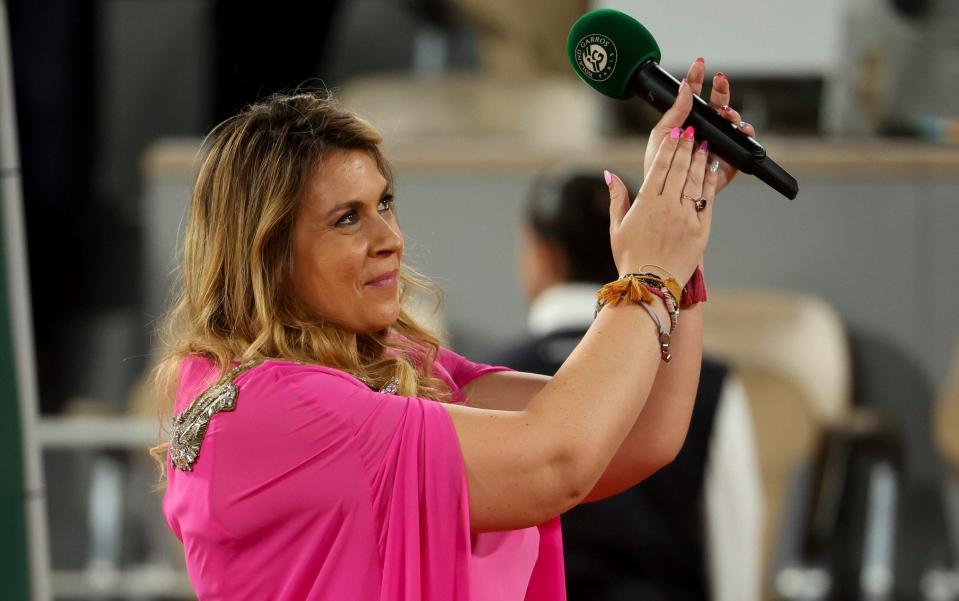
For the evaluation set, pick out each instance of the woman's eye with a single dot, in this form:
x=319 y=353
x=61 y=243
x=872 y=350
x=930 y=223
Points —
x=348 y=219
x=353 y=216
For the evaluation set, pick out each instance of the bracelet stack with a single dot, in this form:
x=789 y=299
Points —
x=640 y=289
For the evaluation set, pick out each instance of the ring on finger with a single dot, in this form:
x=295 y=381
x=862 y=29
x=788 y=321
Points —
x=698 y=203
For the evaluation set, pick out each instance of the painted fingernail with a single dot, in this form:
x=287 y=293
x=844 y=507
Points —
x=720 y=74
x=743 y=124
x=704 y=146
x=714 y=167
x=727 y=108
x=700 y=59
x=689 y=133
x=675 y=133
x=608 y=177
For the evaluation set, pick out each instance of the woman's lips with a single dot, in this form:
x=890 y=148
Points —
x=387 y=280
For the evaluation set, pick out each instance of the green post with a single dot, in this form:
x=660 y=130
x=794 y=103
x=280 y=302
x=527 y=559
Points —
x=14 y=567
x=24 y=563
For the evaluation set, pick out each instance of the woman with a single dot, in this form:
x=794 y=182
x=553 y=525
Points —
x=326 y=447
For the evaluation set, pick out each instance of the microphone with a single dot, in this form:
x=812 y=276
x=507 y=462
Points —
x=617 y=56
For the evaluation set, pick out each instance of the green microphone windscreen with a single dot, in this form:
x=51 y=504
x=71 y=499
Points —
x=606 y=46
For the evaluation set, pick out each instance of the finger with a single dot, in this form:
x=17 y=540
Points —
x=696 y=75
x=746 y=128
x=697 y=173
x=679 y=170
x=676 y=115
x=618 y=198
x=730 y=114
x=719 y=95
x=656 y=178
x=709 y=191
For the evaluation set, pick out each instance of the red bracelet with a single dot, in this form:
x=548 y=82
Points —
x=695 y=290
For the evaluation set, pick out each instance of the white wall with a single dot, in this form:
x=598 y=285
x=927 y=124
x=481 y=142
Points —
x=744 y=37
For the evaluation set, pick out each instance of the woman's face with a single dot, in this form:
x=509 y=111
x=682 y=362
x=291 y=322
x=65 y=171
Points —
x=347 y=244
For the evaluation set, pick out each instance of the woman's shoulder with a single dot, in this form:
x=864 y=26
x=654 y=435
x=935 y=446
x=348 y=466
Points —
x=460 y=370
x=277 y=393
x=268 y=376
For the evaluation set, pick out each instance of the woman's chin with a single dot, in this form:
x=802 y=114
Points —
x=384 y=321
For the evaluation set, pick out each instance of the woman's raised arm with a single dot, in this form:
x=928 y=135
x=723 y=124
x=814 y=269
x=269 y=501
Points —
x=527 y=466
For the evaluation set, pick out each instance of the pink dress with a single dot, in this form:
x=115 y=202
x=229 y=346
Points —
x=315 y=487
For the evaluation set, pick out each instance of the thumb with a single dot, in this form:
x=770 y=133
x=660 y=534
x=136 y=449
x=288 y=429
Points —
x=677 y=114
x=618 y=198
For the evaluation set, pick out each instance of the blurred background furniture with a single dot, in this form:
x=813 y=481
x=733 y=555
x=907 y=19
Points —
x=829 y=471
x=941 y=580
x=101 y=461
x=464 y=107
x=790 y=352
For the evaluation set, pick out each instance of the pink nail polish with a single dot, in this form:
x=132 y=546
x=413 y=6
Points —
x=720 y=74
x=704 y=146
x=608 y=177
x=700 y=59
x=675 y=133
x=689 y=133
x=727 y=108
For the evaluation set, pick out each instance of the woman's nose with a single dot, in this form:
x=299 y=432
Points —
x=388 y=238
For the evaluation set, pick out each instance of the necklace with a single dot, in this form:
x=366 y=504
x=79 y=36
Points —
x=391 y=387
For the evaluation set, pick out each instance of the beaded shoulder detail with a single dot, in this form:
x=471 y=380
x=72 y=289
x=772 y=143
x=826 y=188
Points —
x=189 y=426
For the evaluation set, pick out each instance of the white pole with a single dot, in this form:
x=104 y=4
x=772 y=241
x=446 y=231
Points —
x=21 y=324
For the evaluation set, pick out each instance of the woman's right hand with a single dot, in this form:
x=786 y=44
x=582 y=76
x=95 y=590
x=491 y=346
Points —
x=662 y=226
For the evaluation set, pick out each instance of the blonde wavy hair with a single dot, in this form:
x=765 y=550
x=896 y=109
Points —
x=235 y=300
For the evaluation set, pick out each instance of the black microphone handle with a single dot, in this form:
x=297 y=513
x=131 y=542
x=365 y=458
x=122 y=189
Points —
x=656 y=86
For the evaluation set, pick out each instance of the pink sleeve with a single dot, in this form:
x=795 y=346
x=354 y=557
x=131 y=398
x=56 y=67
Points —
x=462 y=370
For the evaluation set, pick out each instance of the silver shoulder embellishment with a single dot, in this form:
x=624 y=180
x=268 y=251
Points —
x=189 y=427
x=391 y=387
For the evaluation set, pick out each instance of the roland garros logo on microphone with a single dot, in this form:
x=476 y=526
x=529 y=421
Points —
x=596 y=56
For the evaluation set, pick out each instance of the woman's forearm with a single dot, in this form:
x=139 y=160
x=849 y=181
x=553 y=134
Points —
x=600 y=390
x=529 y=465
x=660 y=430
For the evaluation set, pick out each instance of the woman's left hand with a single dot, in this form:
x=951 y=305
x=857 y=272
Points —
x=719 y=100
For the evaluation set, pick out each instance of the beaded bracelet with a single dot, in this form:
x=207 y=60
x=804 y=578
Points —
x=694 y=291
x=664 y=341
x=672 y=304
x=639 y=288
x=669 y=283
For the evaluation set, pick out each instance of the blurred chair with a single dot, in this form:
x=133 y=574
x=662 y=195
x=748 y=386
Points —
x=791 y=353
x=946 y=422
x=533 y=110
x=941 y=583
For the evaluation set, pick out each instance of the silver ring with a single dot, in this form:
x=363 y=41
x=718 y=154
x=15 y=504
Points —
x=700 y=204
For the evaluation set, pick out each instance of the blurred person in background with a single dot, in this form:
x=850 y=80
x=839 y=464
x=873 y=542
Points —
x=689 y=531
x=325 y=446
